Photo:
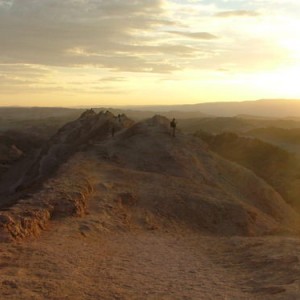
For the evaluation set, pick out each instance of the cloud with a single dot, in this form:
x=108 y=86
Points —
x=15 y=78
x=195 y=35
x=106 y=90
x=23 y=70
x=6 y=81
x=113 y=34
x=138 y=36
x=5 y=3
x=112 y=79
x=55 y=42
x=237 y=13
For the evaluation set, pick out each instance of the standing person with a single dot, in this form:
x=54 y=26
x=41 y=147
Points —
x=173 y=124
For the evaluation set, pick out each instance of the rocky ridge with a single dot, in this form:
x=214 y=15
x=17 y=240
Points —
x=140 y=172
x=63 y=196
x=36 y=195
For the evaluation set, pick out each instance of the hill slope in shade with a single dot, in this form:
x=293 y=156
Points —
x=278 y=167
x=67 y=141
x=286 y=138
x=235 y=124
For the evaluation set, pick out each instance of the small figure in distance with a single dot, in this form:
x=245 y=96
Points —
x=173 y=124
x=119 y=118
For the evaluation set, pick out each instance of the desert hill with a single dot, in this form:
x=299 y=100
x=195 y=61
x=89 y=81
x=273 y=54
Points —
x=16 y=146
x=169 y=180
x=113 y=209
x=236 y=124
x=286 y=138
x=42 y=121
x=35 y=113
x=277 y=166
x=277 y=135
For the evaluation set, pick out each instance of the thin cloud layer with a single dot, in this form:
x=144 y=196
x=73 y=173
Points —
x=237 y=13
x=196 y=35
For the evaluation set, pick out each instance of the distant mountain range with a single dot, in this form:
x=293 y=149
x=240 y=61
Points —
x=273 y=108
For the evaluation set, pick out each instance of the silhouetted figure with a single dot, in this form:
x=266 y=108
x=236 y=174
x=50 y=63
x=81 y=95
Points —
x=119 y=118
x=173 y=124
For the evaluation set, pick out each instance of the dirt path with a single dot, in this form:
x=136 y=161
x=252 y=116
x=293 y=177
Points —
x=68 y=265
x=74 y=261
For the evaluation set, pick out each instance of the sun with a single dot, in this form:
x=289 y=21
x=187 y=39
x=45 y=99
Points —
x=283 y=82
x=293 y=48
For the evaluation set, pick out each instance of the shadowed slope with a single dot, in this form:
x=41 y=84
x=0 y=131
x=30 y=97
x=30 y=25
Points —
x=71 y=138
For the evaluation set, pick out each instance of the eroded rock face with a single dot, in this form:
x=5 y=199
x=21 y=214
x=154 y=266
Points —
x=63 y=196
x=16 y=146
x=88 y=128
x=74 y=136
x=60 y=196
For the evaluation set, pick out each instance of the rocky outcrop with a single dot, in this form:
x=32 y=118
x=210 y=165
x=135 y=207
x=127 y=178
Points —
x=89 y=128
x=16 y=147
x=63 y=196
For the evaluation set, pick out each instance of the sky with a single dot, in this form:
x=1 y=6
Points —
x=142 y=52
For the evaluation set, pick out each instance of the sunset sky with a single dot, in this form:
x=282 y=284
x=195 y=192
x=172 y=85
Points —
x=115 y=52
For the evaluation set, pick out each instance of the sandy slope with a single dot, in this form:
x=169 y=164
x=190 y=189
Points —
x=116 y=252
x=152 y=234
x=82 y=259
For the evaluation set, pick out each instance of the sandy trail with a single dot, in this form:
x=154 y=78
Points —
x=144 y=265
x=77 y=260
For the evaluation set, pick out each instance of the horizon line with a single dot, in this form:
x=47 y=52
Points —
x=144 y=105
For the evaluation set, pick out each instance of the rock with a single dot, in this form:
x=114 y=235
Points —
x=15 y=153
x=5 y=219
x=88 y=114
x=127 y=199
x=10 y=283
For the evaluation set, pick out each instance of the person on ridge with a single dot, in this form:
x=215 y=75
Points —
x=173 y=124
